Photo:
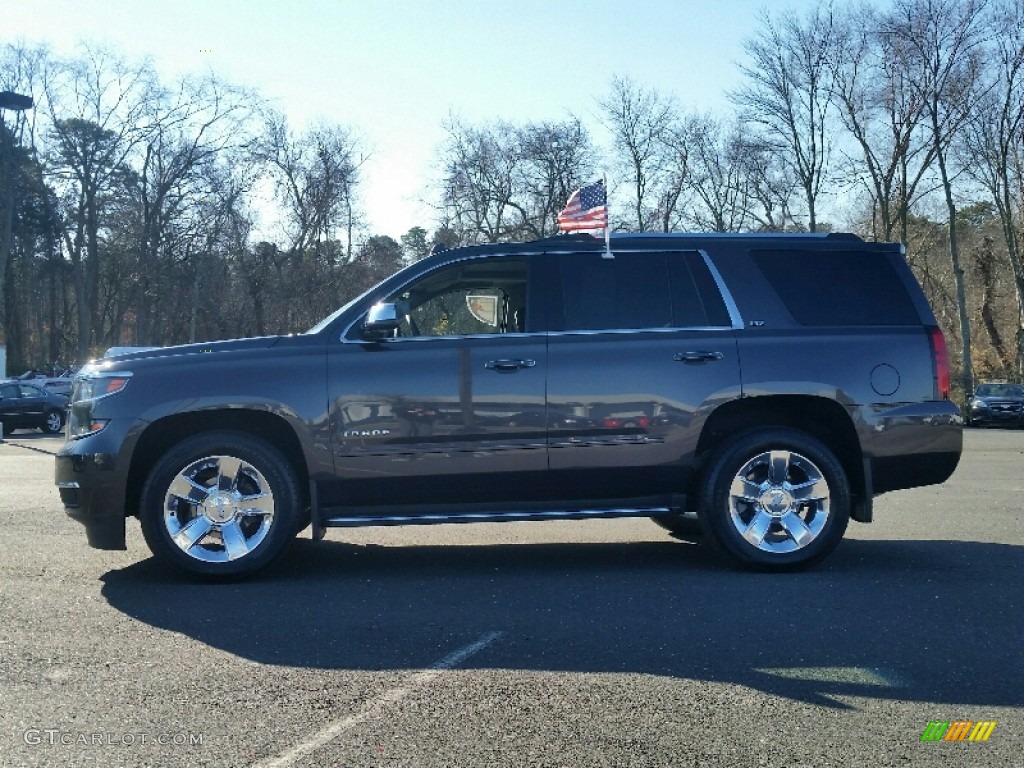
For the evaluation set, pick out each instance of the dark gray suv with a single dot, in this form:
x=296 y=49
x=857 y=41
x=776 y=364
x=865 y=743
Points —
x=763 y=387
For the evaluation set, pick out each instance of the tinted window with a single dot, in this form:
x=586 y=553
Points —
x=838 y=287
x=637 y=290
x=486 y=296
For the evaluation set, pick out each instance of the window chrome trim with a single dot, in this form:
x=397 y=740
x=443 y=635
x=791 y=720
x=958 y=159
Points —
x=730 y=303
x=681 y=329
x=451 y=337
x=546 y=334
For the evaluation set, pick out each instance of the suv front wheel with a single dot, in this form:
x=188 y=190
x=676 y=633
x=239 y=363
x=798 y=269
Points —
x=775 y=499
x=220 y=505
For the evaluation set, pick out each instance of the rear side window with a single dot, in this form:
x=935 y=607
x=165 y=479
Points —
x=636 y=291
x=838 y=287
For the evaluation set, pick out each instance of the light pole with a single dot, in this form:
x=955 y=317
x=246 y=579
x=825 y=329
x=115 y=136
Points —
x=16 y=103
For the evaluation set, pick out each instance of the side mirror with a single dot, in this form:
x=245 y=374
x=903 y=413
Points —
x=381 y=321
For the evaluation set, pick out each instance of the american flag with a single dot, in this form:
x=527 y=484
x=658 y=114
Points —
x=587 y=209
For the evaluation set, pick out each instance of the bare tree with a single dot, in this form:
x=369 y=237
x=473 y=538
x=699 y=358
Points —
x=788 y=94
x=718 y=177
x=317 y=177
x=883 y=112
x=19 y=72
x=992 y=142
x=97 y=106
x=478 y=169
x=553 y=160
x=503 y=182
x=641 y=121
x=943 y=39
x=200 y=122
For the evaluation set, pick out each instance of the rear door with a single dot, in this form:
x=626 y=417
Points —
x=641 y=349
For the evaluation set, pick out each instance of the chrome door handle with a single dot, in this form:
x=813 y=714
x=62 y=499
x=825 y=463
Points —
x=697 y=357
x=509 y=365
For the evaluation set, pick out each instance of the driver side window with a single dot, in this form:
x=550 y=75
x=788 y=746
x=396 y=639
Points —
x=483 y=297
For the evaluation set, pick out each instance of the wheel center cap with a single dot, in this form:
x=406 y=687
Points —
x=220 y=507
x=776 y=502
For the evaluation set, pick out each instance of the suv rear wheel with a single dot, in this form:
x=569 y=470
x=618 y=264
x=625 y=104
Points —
x=775 y=499
x=220 y=505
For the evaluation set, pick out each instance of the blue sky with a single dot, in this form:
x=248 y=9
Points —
x=393 y=70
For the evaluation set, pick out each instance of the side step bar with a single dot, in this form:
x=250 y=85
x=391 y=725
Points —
x=351 y=521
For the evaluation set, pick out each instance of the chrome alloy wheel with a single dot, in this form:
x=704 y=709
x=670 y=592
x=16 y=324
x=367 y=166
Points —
x=779 y=501
x=218 y=509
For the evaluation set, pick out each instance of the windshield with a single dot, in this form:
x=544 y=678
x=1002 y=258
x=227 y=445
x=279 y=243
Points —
x=1000 y=390
x=330 y=318
x=382 y=287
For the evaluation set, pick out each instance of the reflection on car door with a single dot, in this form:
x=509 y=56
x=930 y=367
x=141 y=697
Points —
x=453 y=406
x=641 y=347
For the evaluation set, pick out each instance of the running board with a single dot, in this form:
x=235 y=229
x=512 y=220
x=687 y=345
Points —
x=351 y=521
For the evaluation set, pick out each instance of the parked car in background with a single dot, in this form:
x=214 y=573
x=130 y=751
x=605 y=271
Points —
x=27 y=406
x=997 y=404
x=57 y=381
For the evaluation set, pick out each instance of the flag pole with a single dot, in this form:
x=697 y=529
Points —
x=607 y=223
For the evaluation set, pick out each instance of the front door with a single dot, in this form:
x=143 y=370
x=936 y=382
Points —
x=452 y=408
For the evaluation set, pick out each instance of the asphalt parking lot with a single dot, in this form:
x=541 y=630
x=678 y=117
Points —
x=564 y=643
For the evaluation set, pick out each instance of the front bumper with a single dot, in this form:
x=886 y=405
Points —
x=92 y=489
x=1007 y=417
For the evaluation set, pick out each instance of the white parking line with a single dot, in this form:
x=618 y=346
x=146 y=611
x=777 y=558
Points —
x=375 y=707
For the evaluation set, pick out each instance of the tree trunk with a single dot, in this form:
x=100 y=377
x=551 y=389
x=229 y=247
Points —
x=967 y=374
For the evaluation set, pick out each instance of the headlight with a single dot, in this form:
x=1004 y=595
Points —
x=93 y=387
x=90 y=387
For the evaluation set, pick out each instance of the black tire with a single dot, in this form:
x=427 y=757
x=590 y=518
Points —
x=54 y=422
x=791 y=503
x=244 y=522
x=680 y=526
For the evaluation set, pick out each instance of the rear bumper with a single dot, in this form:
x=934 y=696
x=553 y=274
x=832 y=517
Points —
x=911 y=445
x=92 y=491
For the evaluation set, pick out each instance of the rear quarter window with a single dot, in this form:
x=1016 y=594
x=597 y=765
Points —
x=838 y=287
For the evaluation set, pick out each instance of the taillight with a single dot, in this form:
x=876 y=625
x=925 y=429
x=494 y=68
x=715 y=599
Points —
x=940 y=356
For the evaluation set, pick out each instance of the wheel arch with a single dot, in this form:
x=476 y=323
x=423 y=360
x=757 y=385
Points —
x=162 y=434
x=821 y=418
